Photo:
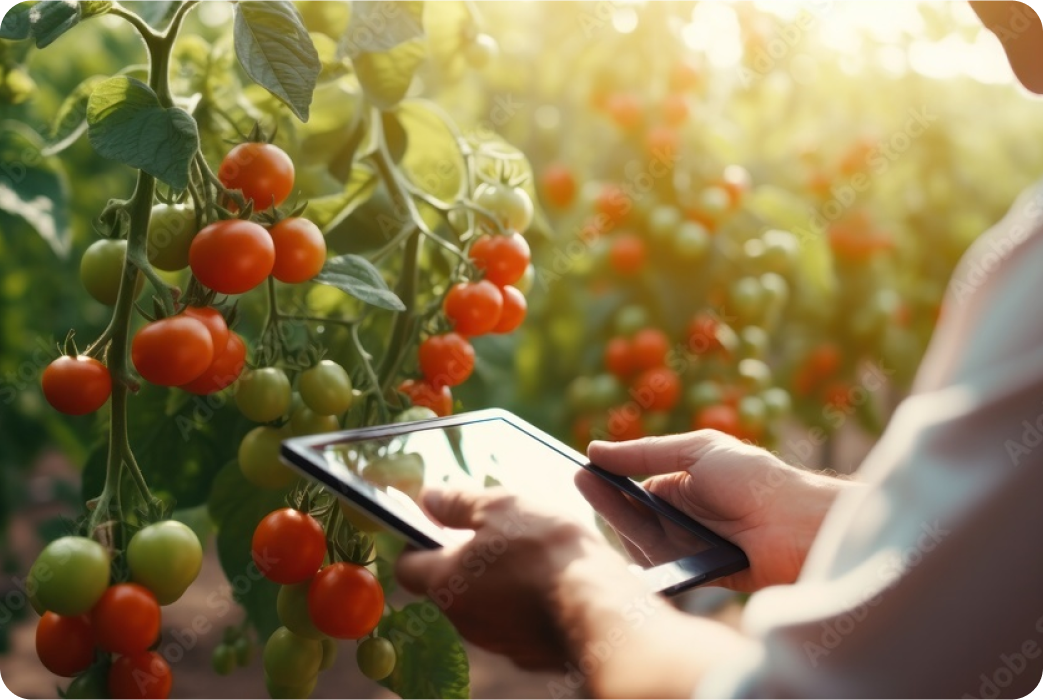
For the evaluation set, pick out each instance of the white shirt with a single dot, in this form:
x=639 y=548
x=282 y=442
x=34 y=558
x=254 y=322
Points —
x=929 y=583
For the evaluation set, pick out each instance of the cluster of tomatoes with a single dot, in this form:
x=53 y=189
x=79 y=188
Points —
x=317 y=605
x=495 y=303
x=104 y=633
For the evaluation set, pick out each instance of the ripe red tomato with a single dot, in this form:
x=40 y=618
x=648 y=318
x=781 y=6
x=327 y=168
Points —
x=65 y=644
x=628 y=254
x=649 y=348
x=703 y=334
x=618 y=359
x=625 y=109
x=657 y=389
x=474 y=307
x=722 y=417
x=76 y=386
x=824 y=361
x=614 y=203
x=214 y=322
x=558 y=185
x=172 y=351
x=838 y=395
x=126 y=619
x=514 y=310
x=446 y=360
x=346 y=601
x=675 y=109
x=684 y=76
x=223 y=371
x=662 y=142
x=262 y=171
x=232 y=257
x=624 y=423
x=288 y=546
x=421 y=393
x=504 y=259
x=300 y=250
x=143 y=676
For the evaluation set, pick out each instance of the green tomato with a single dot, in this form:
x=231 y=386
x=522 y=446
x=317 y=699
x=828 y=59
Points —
x=753 y=414
x=754 y=342
x=404 y=472
x=703 y=394
x=292 y=606
x=692 y=242
x=223 y=660
x=165 y=558
x=754 y=374
x=776 y=291
x=376 y=658
x=244 y=651
x=70 y=575
x=330 y=649
x=714 y=201
x=278 y=691
x=415 y=413
x=259 y=458
x=606 y=391
x=170 y=234
x=656 y=422
x=663 y=222
x=777 y=402
x=630 y=319
x=92 y=684
x=263 y=395
x=512 y=206
x=747 y=299
x=304 y=421
x=525 y=284
x=781 y=251
x=101 y=270
x=580 y=393
x=326 y=389
x=291 y=660
x=479 y=52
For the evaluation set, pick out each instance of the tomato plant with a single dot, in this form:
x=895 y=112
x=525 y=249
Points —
x=165 y=558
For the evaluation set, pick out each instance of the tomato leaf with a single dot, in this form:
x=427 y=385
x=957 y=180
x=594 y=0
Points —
x=432 y=662
x=154 y=12
x=432 y=159
x=70 y=122
x=380 y=26
x=236 y=507
x=16 y=24
x=386 y=76
x=277 y=52
x=126 y=123
x=329 y=212
x=50 y=19
x=356 y=276
x=394 y=135
x=33 y=187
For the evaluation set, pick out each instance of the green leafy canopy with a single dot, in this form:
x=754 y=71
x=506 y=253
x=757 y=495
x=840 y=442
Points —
x=432 y=661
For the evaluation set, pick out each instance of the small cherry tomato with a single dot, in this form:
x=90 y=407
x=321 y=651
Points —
x=504 y=259
x=421 y=393
x=126 y=619
x=300 y=250
x=232 y=257
x=214 y=322
x=261 y=171
x=76 y=386
x=514 y=310
x=618 y=357
x=346 y=601
x=628 y=254
x=558 y=185
x=144 y=676
x=65 y=645
x=223 y=371
x=172 y=351
x=474 y=307
x=649 y=348
x=657 y=389
x=446 y=360
x=288 y=546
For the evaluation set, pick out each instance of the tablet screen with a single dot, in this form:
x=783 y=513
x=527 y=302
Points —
x=489 y=453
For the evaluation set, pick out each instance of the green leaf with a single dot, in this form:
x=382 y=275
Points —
x=33 y=187
x=16 y=24
x=277 y=52
x=356 y=276
x=386 y=76
x=394 y=135
x=380 y=26
x=432 y=661
x=70 y=122
x=126 y=123
x=155 y=12
x=50 y=19
x=432 y=159
x=236 y=507
x=329 y=212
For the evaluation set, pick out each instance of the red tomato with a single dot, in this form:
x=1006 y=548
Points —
x=722 y=417
x=214 y=322
x=262 y=171
x=345 y=601
x=838 y=395
x=126 y=619
x=675 y=109
x=288 y=546
x=421 y=393
x=172 y=351
x=144 y=676
x=662 y=142
x=625 y=109
x=624 y=423
x=223 y=371
x=614 y=202
x=649 y=348
x=474 y=308
x=558 y=185
x=65 y=644
x=232 y=257
x=76 y=386
x=702 y=334
x=300 y=250
x=504 y=259
x=824 y=361
x=618 y=358
x=628 y=254
x=514 y=310
x=446 y=360
x=657 y=389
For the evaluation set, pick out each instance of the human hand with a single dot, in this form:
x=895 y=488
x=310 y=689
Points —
x=743 y=493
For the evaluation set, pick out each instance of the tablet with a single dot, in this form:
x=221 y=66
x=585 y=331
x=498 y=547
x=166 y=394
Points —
x=381 y=470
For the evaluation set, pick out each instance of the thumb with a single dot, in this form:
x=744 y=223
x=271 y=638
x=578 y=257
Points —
x=454 y=508
x=651 y=456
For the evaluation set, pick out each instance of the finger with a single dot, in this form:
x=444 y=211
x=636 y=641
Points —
x=419 y=570
x=648 y=456
x=454 y=508
x=633 y=524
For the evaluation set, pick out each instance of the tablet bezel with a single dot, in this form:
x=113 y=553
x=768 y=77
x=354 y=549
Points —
x=304 y=454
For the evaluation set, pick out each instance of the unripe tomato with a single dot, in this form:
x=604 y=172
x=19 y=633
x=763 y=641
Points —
x=326 y=388
x=514 y=310
x=278 y=691
x=479 y=52
x=657 y=389
x=753 y=415
x=259 y=458
x=414 y=414
x=165 y=558
x=376 y=658
x=776 y=402
x=754 y=374
x=305 y=421
x=244 y=651
x=504 y=259
x=446 y=360
x=404 y=472
x=630 y=319
x=76 y=386
x=170 y=233
x=92 y=684
x=474 y=308
x=329 y=654
x=126 y=619
x=292 y=607
x=144 y=676
x=65 y=645
x=101 y=270
x=511 y=206
x=525 y=284
x=346 y=601
x=605 y=391
x=261 y=171
x=263 y=395
x=291 y=660
x=300 y=250
x=558 y=185
x=288 y=546
x=754 y=342
x=223 y=660
x=232 y=257
x=421 y=393
x=172 y=351
x=223 y=371
x=692 y=242
x=628 y=254
x=649 y=349
x=664 y=222
x=705 y=393
x=70 y=575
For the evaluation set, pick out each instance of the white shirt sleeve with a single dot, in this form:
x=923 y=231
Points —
x=929 y=583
